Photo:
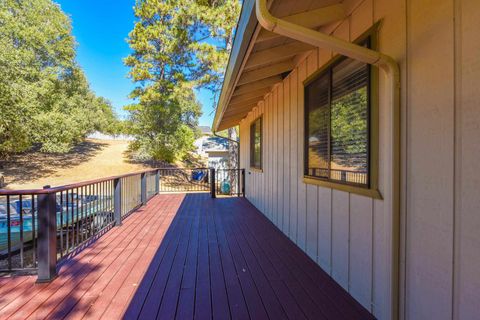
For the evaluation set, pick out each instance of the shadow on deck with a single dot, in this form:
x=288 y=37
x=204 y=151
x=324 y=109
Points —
x=185 y=257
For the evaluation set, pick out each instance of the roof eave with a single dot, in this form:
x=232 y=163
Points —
x=246 y=26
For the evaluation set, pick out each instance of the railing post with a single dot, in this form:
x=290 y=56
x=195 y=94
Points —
x=239 y=182
x=143 y=188
x=212 y=183
x=47 y=237
x=117 y=201
x=157 y=181
x=243 y=182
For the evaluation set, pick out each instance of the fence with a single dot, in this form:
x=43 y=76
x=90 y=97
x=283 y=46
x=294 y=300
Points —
x=38 y=228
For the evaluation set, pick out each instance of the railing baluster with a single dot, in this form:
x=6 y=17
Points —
x=67 y=246
x=9 y=234
x=84 y=211
x=61 y=225
x=21 y=230
x=73 y=220
x=96 y=214
x=78 y=217
x=34 y=236
x=81 y=213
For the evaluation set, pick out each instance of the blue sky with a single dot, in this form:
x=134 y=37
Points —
x=101 y=28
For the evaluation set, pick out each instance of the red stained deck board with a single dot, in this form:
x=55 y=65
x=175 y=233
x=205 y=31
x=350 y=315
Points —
x=202 y=289
x=314 y=280
x=114 y=280
x=237 y=304
x=136 y=303
x=116 y=307
x=71 y=272
x=185 y=257
x=106 y=262
x=270 y=301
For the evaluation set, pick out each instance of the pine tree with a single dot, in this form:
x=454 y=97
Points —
x=178 y=45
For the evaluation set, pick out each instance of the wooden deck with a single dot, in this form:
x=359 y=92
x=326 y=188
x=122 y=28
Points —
x=185 y=257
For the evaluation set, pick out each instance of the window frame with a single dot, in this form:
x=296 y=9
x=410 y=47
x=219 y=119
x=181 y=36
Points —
x=252 y=144
x=371 y=189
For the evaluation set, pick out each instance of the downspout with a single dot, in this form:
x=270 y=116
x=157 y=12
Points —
x=392 y=71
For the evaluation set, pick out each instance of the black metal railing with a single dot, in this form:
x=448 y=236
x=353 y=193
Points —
x=39 y=228
x=228 y=182
x=184 y=180
x=18 y=225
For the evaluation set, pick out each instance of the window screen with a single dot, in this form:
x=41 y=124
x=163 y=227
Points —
x=337 y=124
x=256 y=144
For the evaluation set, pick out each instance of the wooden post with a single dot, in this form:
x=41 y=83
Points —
x=143 y=188
x=47 y=237
x=212 y=183
x=117 y=201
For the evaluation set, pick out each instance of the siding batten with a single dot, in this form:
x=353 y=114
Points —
x=312 y=190
x=280 y=159
x=287 y=151
x=302 y=190
x=293 y=155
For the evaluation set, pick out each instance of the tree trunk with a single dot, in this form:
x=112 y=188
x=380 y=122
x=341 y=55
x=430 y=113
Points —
x=233 y=159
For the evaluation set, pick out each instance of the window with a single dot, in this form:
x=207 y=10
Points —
x=256 y=144
x=337 y=124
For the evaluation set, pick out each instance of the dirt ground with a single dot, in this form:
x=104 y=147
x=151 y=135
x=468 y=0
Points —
x=91 y=159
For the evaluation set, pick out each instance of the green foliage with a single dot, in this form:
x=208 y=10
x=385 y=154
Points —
x=44 y=96
x=177 y=45
x=349 y=122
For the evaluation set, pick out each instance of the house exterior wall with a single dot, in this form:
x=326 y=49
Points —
x=437 y=46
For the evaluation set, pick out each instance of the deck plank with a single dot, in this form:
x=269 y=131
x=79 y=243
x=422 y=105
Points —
x=269 y=298
x=72 y=272
x=155 y=295
x=333 y=300
x=186 y=303
x=120 y=301
x=203 y=299
x=220 y=309
x=185 y=257
x=255 y=305
x=102 y=268
x=168 y=306
x=237 y=304
x=94 y=302
x=138 y=299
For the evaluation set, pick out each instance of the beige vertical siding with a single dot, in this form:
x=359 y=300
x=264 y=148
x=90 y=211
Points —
x=437 y=44
x=467 y=178
x=430 y=176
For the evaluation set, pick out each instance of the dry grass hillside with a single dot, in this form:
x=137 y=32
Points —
x=89 y=160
